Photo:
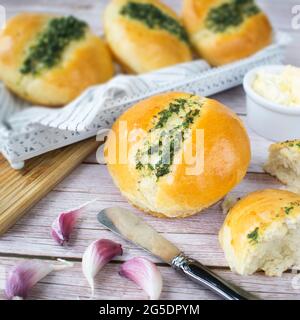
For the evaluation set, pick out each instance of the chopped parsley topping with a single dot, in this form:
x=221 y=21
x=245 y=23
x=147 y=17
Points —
x=164 y=115
x=189 y=119
x=47 y=50
x=292 y=144
x=253 y=236
x=154 y=18
x=230 y=14
x=288 y=209
x=170 y=128
x=139 y=165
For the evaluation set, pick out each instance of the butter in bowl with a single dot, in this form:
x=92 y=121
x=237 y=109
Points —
x=273 y=101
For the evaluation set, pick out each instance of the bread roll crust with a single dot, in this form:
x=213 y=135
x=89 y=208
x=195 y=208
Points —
x=236 y=43
x=84 y=62
x=138 y=48
x=252 y=222
x=178 y=194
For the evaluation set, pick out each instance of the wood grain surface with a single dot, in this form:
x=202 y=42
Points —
x=21 y=189
x=197 y=235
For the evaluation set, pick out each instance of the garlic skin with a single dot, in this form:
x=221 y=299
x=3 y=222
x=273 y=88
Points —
x=26 y=274
x=145 y=274
x=96 y=256
x=64 y=224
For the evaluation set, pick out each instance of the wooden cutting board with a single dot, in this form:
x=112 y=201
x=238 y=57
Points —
x=21 y=189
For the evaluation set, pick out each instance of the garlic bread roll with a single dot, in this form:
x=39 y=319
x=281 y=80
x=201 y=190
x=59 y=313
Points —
x=145 y=35
x=262 y=232
x=50 y=60
x=184 y=153
x=284 y=163
x=223 y=31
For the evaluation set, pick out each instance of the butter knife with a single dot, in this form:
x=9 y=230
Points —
x=131 y=227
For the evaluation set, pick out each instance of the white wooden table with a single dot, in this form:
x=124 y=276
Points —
x=197 y=235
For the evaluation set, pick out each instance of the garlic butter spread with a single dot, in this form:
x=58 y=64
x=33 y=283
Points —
x=282 y=88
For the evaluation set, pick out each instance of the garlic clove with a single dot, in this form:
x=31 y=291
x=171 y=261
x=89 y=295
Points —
x=97 y=255
x=64 y=224
x=22 y=277
x=145 y=274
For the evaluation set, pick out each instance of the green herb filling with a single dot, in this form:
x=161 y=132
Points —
x=47 y=50
x=230 y=14
x=170 y=128
x=253 y=236
x=154 y=18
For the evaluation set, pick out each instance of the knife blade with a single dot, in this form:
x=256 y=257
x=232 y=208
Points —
x=123 y=222
x=131 y=227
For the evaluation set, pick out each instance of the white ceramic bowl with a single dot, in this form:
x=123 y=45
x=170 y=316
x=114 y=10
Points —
x=270 y=120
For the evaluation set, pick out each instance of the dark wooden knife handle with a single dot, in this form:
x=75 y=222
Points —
x=203 y=276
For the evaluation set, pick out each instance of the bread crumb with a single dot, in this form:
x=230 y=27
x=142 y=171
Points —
x=228 y=202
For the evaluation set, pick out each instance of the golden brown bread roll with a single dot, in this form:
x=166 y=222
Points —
x=262 y=232
x=163 y=129
x=224 y=31
x=284 y=163
x=145 y=35
x=50 y=60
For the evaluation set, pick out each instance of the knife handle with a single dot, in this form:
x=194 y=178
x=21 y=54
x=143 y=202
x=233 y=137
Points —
x=202 y=275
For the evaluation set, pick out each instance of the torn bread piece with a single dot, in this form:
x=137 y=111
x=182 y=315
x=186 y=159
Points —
x=262 y=232
x=284 y=163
